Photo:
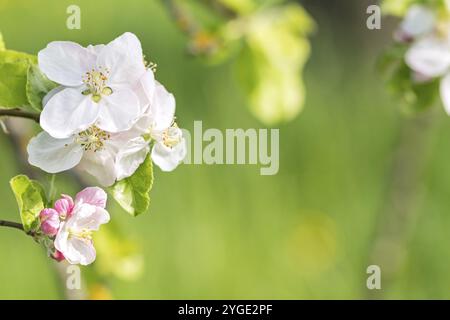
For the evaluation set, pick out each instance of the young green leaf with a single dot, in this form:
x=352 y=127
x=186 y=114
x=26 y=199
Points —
x=13 y=78
x=132 y=193
x=38 y=85
x=31 y=199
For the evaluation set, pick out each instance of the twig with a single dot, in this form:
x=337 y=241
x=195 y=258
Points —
x=9 y=224
x=20 y=114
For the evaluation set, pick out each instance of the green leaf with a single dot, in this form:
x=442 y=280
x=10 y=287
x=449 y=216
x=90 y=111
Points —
x=38 y=85
x=31 y=199
x=413 y=96
x=271 y=63
x=133 y=193
x=13 y=78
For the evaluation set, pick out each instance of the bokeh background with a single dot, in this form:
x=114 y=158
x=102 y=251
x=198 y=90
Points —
x=359 y=183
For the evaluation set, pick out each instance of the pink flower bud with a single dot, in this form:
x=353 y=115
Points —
x=64 y=206
x=49 y=221
x=58 y=256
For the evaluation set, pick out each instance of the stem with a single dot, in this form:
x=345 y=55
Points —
x=52 y=189
x=20 y=114
x=9 y=224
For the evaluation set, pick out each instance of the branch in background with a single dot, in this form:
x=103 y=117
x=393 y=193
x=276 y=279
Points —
x=399 y=213
x=10 y=224
x=19 y=114
x=60 y=267
x=201 y=40
x=182 y=18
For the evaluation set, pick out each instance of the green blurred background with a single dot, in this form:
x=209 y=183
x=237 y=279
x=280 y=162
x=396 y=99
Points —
x=224 y=231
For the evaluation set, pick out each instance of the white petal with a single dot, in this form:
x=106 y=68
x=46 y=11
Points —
x=61 y=240
x=162 y=108
x=119 y=111
x=80 y=252
x=168 y=158
x=100 y=165
x=429 y=56
x=66 y=62
x=92 y=195
x=96 y=49
x=68 y=112
x=87 y=216
x=445 y=92
x=51 y=93
x=53 y=155
x=419 y=20
x=145 y=89
x=130 y=157
x=124 y=59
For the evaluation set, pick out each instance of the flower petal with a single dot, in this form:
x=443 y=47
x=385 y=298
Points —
x=124 y=59
x=169 y=158
x=85 y=251
x=130 y=157
x=68 y=112
x=119 y=111
x=92 y=195
x=88 y=217
x=50 y=94
x=100 y=165
x=66 y=62
x=162 y=108
x=419 y=20
x=145 y=89
x=429 y=56
x=445 y=92
x=53 y=155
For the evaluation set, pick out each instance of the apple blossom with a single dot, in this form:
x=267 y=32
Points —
x=64 y=206
x=114 y=156
x=419 y=20
x=429 y=54
x=49 y=221
x=97 y=86
x=106 y=156
x=158 y=122
x=74 y=238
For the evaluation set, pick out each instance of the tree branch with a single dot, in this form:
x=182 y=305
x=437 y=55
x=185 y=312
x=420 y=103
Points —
x=20 y=114
x=9 y=224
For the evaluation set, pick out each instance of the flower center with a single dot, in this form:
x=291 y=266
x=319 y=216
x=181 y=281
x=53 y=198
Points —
x=83 y=234
x=96 y=83
x=93 y=139
x=172 y=136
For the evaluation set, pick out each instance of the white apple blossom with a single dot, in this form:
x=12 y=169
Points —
x=419 y=20
x=169 y=147
x=74 y=237
x=97 y=86
x=429 y=54
x=106 y=156
x=109 y=156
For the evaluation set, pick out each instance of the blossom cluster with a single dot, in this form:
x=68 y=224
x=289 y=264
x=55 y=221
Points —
x=427 y=32
x=107 y=113
x=67 y=227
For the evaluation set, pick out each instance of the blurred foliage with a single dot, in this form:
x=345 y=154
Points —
x=413 y=96
x=270 y=41
x=400 y=7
